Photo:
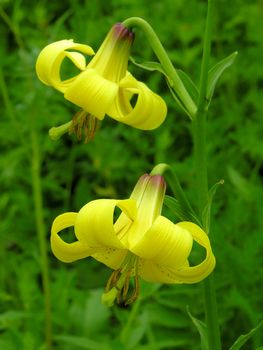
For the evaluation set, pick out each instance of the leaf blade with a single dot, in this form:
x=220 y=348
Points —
x=245 y=337
x=215 y=73
x=202 y=330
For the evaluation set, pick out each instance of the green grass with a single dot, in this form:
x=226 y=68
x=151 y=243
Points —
x=72 y=173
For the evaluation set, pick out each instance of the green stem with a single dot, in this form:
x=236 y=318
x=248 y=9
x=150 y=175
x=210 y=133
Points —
x=10 y=110
x=125 y=333
x=199 y=125
x=13 y=28
x=41 y=233
x=164 y=60
x=38 y=207
x=36 y=181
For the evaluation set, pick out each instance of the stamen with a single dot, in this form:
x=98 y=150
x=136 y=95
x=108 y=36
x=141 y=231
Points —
x=136 y=291
x=126 y=286
x=118 y=286
x=84 y=123
x=112 y=280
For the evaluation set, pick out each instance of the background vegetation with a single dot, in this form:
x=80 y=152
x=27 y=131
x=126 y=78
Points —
x=72 y=173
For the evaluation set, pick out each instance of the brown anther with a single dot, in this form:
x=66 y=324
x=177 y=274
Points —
x=136 y=291
x=126 y=286
x=85 y=124
x=112 y=280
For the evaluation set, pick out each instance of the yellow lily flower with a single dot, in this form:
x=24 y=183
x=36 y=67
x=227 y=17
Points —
x=103 y=86
x=139 y=243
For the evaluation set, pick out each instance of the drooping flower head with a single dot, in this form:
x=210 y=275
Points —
x=103 y=86
x=140 y=243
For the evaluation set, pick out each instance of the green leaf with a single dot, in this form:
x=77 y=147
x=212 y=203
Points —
x=175 y=207
x=202 y=329
x=179 y=210
x=11 y=316
x=189 y=85
x=164 y=317
x=150 y=66
x=186 y=80
x=96 y=314
x=245 y=337
x=165 y=344
x=242 y=184
x=207 y=209
x=137 y=331
x=215 y=73
x=82 y=342
x=180 y=204
x=177 y=99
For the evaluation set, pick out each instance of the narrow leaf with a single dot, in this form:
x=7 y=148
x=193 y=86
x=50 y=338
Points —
x=179 y=211
x=175 y=207
x=202 y=329
x=189 y=85
x=150 y=66
x=242 y=184
x=207 y=209
x=245 y=337
x=81 y=342
x=178 y=192
x=215 y=73
x=177 y=99
x=186 y=80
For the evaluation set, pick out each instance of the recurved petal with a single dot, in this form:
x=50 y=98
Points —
x=77 y=58
x=92 y=92
x=165 y=243
x=153 y=271
x=148 y=112
x=197 y=273
x=94 y=223
x=51 y=57
x=67 y=252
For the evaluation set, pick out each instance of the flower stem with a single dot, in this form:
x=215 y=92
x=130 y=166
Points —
x=199 y=125
x=36 y=177
x=126 y=331
x=164 y=60
x=41 y=231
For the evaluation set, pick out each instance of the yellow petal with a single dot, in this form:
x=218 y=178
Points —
x=111 y=257
x=149 y=110
x=197 y=273
x=51 y=57
x=165 y=243
x=151 y=271
x=122 y=225
x=149 y=208
x=154 y=271
x=67 y=252
x=92 y=92
x=112 y=57
x=77 y=58
x=94 y=223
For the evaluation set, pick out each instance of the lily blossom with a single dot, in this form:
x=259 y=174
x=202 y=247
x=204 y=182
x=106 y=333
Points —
x=140 y=243
x=103 y=86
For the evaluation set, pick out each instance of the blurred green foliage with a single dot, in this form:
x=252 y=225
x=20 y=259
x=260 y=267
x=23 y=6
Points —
x=73 y=173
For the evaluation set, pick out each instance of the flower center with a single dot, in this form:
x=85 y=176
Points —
x=119 y=285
